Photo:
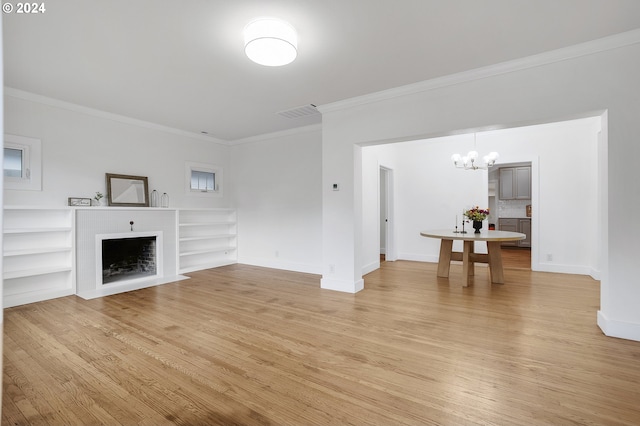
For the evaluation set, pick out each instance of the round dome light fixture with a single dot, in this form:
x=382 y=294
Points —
x=271 y=42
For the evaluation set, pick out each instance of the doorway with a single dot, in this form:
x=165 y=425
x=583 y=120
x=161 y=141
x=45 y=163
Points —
x=511 y=206
x=387 y=228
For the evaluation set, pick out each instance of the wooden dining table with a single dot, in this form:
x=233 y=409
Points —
x=468 y=256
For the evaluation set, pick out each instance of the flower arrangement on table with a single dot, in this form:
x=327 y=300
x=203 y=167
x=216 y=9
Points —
x=476 y=214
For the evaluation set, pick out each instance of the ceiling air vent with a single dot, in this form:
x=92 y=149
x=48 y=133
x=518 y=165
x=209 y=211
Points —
x=299 y=112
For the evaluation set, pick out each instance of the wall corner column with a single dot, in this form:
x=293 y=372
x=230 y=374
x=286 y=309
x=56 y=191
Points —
x=341 y=215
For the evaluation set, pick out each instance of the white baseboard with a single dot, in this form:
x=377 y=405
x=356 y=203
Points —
x=620 y=329
x=342 y=285
x=32 y=297
x=284 y=265
x=370 y=267
x=562 y=269
x=416 y=257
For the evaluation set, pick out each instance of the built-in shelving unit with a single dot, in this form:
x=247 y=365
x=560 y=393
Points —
x=39 y=254
x=42 y=245
x=207 y=238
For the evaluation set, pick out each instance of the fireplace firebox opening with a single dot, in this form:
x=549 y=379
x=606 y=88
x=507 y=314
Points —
x=128 y=259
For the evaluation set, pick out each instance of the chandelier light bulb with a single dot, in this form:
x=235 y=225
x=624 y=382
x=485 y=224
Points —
x=468 y=162
x=270 y=42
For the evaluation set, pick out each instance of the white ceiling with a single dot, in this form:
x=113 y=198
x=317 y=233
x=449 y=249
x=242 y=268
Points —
x=181 y=63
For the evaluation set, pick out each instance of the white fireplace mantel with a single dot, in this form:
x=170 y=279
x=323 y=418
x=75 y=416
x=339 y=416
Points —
x=92 y=224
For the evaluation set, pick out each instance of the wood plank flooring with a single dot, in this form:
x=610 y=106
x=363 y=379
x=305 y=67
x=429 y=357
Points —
x=246 y=345
x=516 y=258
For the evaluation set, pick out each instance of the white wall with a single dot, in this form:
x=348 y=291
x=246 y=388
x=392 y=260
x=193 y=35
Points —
x=430 y=193
x=79 y=146
x=277 y=181
x=552 y=87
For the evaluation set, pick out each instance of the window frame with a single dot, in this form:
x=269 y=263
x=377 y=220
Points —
x=191 y=166
x=31 y=178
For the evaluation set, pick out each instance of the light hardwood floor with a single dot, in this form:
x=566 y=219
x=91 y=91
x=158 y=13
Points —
x=248 y=345
x=516 y=258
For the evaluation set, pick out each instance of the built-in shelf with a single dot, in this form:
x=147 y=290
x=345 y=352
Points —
x=26 y=252
x=38 y=254
x=226 y=222
x=35 y=230
x=207 y=238
x=211 y=250
x=40 y=246
x=32 y=272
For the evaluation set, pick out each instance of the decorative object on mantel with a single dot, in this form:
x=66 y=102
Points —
x=98 y=197
x=164 y=200
x=127 y=190
x=79 y=202
x=131 y=223
x=477 y=215
x=154 y=198
x=468 y=162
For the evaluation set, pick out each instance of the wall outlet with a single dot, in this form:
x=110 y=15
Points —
x=332 y=269
x=549 y=257
x=277 y=253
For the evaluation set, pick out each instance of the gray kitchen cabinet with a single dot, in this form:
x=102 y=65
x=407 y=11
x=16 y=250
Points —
x=524 y=227
x=516 y=225
x=510 y=225
x=515 y=183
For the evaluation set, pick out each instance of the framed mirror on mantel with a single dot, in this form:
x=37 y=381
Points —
x=127 y=190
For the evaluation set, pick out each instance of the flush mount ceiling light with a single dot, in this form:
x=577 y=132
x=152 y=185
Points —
x=469 y=161
x=271 y=42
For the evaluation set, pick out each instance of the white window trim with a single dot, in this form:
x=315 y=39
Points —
x=32 y=149
x=203 y=167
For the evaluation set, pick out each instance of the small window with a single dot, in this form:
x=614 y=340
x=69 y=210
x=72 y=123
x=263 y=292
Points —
x=205 y=179
x=22 y=163
x=14 y=159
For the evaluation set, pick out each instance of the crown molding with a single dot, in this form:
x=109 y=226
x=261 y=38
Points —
x=552 y=56
x=276 y=135
x=56 y=103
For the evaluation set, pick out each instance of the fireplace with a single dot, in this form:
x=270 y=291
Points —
x=128 y=257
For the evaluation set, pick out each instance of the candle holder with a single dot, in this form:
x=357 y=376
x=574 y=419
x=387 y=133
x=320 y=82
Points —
x=456 y=231
x=463 y=231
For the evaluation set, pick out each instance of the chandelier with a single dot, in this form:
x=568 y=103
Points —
x=470 y=161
